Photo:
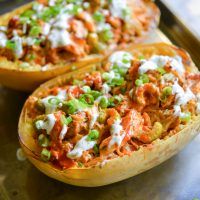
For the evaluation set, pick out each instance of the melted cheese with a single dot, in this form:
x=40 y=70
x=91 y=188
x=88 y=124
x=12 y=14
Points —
x=48 y=124
x=116 y=136
x=82 y=145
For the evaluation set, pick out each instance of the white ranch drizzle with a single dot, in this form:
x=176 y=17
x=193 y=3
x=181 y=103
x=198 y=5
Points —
x=3 y=28
x=94 y=116
x=19 y=48
x=82 y=145
x=182 y=98
x=116 y=133
x=3 y=39
x=61 y=21
x=48 y=124
x=63 y=132
x=118 y=7
x=38 y=7
x=46 y=29
x=59 y=38
x=105 y=88
x=160 y=61
x=118 y=56
x=49 y=108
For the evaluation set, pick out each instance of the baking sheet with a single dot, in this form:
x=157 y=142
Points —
x=177 y=178
x=178 y=32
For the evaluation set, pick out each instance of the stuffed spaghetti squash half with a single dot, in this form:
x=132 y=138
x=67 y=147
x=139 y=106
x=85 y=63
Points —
x=49 y=37
x=94 y=128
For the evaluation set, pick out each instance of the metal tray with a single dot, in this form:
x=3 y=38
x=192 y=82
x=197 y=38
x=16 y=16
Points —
x=177 y=178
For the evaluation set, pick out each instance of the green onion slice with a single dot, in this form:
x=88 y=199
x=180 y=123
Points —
x=45 y=155
x=93 y=135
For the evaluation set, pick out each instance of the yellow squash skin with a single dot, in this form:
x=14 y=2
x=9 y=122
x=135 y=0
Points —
x=122 y=167
x=12 y=76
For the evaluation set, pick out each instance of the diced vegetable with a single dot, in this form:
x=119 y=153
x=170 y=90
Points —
x=66 y=120
x=11 y=45
x=96 y=149
x=106 y=35
x=142 y=80
x=98 y=16
x=43 y=141
x=161 y=70
x=93 y=135
x=87 y=98
x=102 y=117
x=166 y=92
x=28 y=13
x=38 y=125
x=113 y=101
x=95 y=94
x=104 y=102
x=73 y=106
x=86 y=89
x=54 y=101
x=138 y=82
x=186 y=117
x=45 y=155
x=35 y=31
x=50 y=12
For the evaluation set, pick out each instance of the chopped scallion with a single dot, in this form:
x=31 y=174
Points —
x=43 y=141
x=93 y=135
x=45 y=155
